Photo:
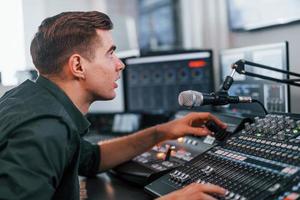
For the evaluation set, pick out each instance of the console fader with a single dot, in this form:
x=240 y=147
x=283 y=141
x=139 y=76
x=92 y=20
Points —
x=260 y=162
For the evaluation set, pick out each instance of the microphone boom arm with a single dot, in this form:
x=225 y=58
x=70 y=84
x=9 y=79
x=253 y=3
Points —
x=239 y=66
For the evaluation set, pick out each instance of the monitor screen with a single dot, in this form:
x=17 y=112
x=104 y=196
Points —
x=274 y=96
x=154 y=82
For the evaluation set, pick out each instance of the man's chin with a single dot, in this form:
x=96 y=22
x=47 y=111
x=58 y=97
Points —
x=105 y=98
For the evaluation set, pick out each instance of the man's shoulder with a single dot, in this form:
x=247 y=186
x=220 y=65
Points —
x=29 y=102
x=29 y=98
x=24 y=89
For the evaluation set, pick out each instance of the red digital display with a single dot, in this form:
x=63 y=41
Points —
x=197 y=63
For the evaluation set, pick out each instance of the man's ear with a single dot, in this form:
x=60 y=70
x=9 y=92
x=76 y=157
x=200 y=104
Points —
x=76 y=66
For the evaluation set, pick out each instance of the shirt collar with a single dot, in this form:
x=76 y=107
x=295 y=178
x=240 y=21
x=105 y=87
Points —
x=78 y=118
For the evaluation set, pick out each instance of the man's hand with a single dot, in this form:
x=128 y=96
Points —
x=195 y=191
x=193 y=123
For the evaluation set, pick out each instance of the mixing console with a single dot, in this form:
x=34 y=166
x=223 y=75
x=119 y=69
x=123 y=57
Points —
x=260 y=162
x=173 y=153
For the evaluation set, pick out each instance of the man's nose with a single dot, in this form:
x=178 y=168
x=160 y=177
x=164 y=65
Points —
x=121 y=65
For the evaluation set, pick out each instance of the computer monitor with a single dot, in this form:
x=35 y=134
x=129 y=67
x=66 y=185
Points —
x=274 y=96
x=153 y=83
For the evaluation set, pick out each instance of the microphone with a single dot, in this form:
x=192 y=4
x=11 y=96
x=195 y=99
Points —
x=192 y=98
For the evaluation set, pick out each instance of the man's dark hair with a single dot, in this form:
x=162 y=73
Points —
x=62 y=35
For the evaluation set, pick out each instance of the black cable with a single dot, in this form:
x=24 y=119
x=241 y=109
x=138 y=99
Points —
x=261 y=104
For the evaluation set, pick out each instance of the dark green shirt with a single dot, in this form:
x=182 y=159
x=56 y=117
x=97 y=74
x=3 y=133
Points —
x=41 y=150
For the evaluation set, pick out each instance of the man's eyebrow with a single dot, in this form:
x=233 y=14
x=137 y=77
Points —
x=112 y=48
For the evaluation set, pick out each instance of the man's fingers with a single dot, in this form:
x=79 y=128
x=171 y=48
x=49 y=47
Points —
x=219 y=122
x=205 y=188
x=198 y=131
x=210 y=188
x=208 y=116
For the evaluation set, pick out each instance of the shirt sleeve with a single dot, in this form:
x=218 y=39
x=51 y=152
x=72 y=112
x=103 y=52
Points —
x=33 y=160
x=89 y=158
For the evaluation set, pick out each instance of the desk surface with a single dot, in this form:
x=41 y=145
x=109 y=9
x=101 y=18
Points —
x=109 y=187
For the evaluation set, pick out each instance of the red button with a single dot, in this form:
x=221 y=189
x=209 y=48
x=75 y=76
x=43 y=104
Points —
x=292 y=196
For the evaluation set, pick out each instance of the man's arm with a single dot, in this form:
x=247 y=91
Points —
x=117 y=151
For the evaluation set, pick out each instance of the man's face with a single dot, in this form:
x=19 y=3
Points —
x=104 y=70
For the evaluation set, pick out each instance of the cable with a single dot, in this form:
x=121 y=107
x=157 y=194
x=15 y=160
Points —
x=261 y=104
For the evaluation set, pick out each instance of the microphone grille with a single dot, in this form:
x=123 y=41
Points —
x=190 y=98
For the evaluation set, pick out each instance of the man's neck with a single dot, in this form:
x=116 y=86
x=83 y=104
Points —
x=75 y=92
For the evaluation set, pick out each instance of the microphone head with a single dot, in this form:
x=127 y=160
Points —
x=190 y=98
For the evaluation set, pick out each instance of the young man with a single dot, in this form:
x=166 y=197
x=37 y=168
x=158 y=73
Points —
x=41 y=150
